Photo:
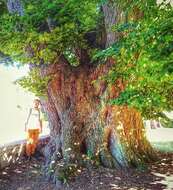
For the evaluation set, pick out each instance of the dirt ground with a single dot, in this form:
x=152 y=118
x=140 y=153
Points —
x=27 y=175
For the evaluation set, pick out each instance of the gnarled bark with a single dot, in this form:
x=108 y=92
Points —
x=84 y=128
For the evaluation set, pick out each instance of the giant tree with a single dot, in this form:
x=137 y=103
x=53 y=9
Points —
x=95 y=74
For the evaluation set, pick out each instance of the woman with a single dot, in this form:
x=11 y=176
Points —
x=33 y=127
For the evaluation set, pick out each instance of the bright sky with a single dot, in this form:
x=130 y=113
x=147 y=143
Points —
x=12 y=118
x=14 y=105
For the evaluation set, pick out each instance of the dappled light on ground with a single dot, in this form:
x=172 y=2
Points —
x=28 y=175
x=158 y=176
x=10 y=154
x=24 y=176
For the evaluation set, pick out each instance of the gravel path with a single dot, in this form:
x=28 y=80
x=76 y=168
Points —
x=28 y=176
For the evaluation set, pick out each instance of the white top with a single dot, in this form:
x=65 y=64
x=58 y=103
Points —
x=33 y=121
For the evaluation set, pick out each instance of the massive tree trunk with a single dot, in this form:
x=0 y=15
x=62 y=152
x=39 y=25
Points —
x=84 y=128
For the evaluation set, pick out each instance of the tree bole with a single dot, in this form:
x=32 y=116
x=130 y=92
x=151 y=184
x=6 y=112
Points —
x=84 y=128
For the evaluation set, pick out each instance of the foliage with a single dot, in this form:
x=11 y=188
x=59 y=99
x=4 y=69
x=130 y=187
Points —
x=2 y=7
x=64 y=172
x=47 y=29
x=144 y=59
x=166 y=121
x=34 y=82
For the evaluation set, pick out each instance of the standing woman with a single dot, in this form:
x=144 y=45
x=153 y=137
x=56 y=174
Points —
x=33 y=127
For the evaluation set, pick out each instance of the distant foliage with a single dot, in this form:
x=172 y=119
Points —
x=166 y=121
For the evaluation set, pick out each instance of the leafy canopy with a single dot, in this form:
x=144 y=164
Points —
x=144 y=57
x=47 y=29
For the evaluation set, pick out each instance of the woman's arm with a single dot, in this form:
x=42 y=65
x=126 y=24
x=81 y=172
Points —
x=26 y=123
x=40 y=121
